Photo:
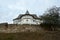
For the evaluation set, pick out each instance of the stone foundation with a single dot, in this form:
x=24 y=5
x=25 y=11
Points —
x=13 y=28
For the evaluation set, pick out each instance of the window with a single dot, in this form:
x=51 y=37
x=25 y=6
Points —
x=33 y=20
x=27 y=20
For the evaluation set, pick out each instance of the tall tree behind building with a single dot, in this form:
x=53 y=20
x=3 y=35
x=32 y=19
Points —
x=51 y=17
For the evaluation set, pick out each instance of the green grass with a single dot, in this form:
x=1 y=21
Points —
x=30 y=36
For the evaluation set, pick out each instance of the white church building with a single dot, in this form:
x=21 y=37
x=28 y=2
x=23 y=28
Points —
x=27 y=18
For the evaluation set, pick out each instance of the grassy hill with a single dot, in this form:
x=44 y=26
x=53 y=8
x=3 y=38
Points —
x=31 y=36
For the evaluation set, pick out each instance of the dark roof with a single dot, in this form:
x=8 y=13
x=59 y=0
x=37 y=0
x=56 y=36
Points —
x=27 y=13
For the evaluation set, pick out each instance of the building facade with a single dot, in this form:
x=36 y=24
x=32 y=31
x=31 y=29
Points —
x=27 y=18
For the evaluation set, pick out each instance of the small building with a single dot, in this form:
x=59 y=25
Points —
x=27 y=18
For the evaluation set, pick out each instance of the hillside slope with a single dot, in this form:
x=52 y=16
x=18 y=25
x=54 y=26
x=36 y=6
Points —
x=31 y=36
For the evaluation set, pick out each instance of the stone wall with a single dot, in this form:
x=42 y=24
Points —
x=13 y=28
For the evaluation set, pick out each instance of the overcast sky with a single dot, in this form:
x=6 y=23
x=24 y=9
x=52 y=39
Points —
x=10 y=9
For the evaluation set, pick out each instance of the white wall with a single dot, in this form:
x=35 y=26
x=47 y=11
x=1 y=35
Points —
x=27 y=20
x=30 y=17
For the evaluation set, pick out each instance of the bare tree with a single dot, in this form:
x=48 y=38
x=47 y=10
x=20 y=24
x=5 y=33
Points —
x=52 y=17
